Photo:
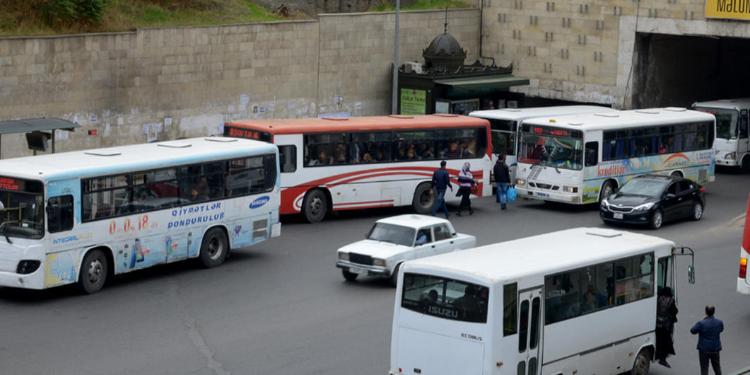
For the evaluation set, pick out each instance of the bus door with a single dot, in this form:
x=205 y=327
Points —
x=743 y=141
x=529 y=331
x=665 y=274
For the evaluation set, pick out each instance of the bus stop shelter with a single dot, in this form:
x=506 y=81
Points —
x=39 y=131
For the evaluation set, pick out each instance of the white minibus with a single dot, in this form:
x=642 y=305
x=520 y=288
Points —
x=577 y=301
x=732 y=142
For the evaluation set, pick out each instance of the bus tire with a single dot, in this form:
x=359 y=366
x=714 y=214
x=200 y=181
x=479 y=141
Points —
x=394 y=277
x=642 y=362
x=657 y=219
x=745 y=165
x=424 y=199
x=348 y=276
x=608 y=187
x=315 y=206
x=214 y=248
x=676 y=174
x=94 y=271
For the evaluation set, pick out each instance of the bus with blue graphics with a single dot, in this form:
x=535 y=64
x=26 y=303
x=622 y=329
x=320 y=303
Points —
x=85 y=216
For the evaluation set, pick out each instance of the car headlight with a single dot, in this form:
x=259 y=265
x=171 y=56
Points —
x=520 y=182
x=604 y=203
x=570 y=189
x=378 y=262
x=343 y=256
x=644 y=207
x=731 y=156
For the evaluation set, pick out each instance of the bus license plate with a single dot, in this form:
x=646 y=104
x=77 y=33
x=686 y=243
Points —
x=617 y=215
x=358 y=271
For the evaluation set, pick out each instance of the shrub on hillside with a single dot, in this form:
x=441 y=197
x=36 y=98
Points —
x=67 y=12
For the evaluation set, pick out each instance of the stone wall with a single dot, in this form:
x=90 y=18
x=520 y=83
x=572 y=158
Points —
x=167 y=83
x=584 y=50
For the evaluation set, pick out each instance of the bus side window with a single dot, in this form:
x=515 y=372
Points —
x=664 y=273
x=592 y=153
x=510 y=309
x=60 y=213
x=288 y=157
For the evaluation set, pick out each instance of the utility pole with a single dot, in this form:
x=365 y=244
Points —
x=396 y=58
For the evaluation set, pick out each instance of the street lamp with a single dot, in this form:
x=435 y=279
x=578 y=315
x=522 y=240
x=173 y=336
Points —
x=396 y=58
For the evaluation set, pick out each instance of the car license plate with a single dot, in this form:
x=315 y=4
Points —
x=617 y=215
x=542 y=194
x=358 y=271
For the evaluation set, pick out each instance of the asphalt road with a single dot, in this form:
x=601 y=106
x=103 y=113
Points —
x=283 y=308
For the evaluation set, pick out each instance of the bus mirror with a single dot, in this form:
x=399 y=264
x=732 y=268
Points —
x=691 y=274
x=2 y=206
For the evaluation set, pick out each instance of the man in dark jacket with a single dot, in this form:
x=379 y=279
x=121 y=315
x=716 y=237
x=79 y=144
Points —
x=709 y=343
x=502 y=180
x=441 y=180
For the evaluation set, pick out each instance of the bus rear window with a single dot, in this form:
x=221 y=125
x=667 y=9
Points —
x=445 y=298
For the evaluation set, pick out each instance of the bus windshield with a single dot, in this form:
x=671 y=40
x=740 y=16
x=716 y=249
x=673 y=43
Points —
x=392 y=233
x=22 y=210
x=554 y=147
x=445 y=298
x=726 y=121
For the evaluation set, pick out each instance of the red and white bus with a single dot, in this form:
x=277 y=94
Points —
x=743 y=281
x=337 y=164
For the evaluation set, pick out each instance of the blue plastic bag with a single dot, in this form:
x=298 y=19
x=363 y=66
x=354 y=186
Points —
x=511 y=194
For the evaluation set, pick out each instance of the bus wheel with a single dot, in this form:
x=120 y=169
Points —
x=315 y=206
x=746 y=163
x=348 y=276
x=607 y=189
x=94 y=271
x=676 y=174
x=424 y=199
x=642 y=363
x=657 y=219
x=214 y=248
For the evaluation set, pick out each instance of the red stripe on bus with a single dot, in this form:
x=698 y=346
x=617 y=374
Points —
x=365 y=202
x=362 y=207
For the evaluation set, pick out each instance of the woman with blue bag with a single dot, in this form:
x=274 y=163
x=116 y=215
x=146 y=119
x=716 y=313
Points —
x=502 y=180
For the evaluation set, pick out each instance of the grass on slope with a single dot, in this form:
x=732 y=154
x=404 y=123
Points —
x=421 y=5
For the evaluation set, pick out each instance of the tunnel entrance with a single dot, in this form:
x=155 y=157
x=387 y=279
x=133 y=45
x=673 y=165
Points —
x=672 y=70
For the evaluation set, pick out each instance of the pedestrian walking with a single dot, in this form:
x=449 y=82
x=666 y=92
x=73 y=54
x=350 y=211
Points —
x=465 y=182
x=709 y=343
x=666 y=317
x=441 y=181
x=502 y=180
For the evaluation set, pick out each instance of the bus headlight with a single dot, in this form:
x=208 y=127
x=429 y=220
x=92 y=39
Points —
x=520 y=182
x=570 y=189
x=644 y=207
x=344 y=256
x=378 y=262
x=731 y=156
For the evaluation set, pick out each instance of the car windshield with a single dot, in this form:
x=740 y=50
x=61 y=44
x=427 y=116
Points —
x=553 y=147
x=22 y=212
x=445 y=298
x=643 y=186
x=726 y=121
x=392 y=233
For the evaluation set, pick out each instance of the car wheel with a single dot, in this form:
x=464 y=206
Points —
x=214 y=248
x=697 y=211
x=348 y=276
x=657 y=219
x=315 y=206
x=607 y=189
x=394 y=276
x=94 y=272
x=424 y=199
x=642 y=363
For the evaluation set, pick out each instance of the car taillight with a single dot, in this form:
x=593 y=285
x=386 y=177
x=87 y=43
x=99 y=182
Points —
x=743 y=268
x=702 y=189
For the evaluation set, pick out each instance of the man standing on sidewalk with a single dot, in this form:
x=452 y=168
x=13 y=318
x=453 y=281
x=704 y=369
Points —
x=441 y=180
x=709 y=343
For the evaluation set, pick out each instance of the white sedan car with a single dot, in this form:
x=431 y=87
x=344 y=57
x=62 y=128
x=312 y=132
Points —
x=394 y=240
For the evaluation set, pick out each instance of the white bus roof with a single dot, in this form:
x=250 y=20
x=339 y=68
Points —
x=516 y=114
x=542 y=254
x=739 y=103
x=623 y=119
x=122 y=159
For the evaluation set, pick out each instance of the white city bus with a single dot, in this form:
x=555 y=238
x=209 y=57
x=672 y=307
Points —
x=732 y=130
x=506 y=122
x=339 y=164
x=743 y=281
x=87 y=215
x=582 y=159
x=578 y=301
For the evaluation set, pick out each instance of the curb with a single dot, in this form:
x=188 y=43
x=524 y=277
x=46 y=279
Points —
x=743 y=371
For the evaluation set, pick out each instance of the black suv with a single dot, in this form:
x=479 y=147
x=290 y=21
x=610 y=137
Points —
x=653 y=200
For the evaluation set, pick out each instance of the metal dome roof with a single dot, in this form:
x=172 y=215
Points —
x=444 y=52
